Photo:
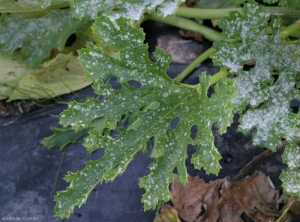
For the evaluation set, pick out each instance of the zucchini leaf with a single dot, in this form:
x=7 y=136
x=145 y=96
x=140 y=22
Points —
x=269 y=87
x=33 y=39
x=151 y=107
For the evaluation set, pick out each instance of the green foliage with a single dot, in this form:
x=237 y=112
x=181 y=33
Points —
x=39 y=35
x=269 y=98
x=143 y=112
x=289 y=4
x=62 y=137
x=8 y=6
x=151 y=108
x=290 y=176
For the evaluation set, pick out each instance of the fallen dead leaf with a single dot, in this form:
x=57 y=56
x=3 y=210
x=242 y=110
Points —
x=168 y=214
x=224 y=201
x=190 y=34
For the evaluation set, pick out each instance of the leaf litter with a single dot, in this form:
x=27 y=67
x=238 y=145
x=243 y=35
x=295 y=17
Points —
x=220 y=200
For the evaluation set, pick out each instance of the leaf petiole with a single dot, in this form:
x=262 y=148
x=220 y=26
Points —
x=289 y=30
x=216 y=77
x=194 y=64
x=201 y=13
x=187 y=24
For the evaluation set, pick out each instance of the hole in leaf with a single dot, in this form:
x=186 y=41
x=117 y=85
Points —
x=135 y=84
x=246 y=218
x=275 y=77
x=113 y=81
x=295 y=104
x=153 y=106
x=249 y=65
x=174 y=122
x=210 y=91
x=194 y=130
x=114 y=133
x=151 y=36
x=124 y=121
x=101 y=97
x=70 y=41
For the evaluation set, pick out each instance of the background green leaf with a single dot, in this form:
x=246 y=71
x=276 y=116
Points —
x=33 y=39
x=10 y=6
x=269 y=86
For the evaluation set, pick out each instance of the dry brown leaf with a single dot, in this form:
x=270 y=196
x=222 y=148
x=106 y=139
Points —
x=223 y=201
x=168 y=214
x=190 y=34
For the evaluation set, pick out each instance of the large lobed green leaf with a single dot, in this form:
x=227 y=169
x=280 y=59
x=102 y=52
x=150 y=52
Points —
x=33 y=39
x=151 y=108
x=268 y=87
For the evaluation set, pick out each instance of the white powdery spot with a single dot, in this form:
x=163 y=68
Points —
x=169 y=7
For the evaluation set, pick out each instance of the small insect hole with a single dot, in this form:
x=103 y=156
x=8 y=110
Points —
x=193 y=131
x=174 y=123
x=113 y=81
x=295 y=104
x=135 y=84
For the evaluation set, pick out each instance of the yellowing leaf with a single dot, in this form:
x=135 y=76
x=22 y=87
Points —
x=62 y=75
